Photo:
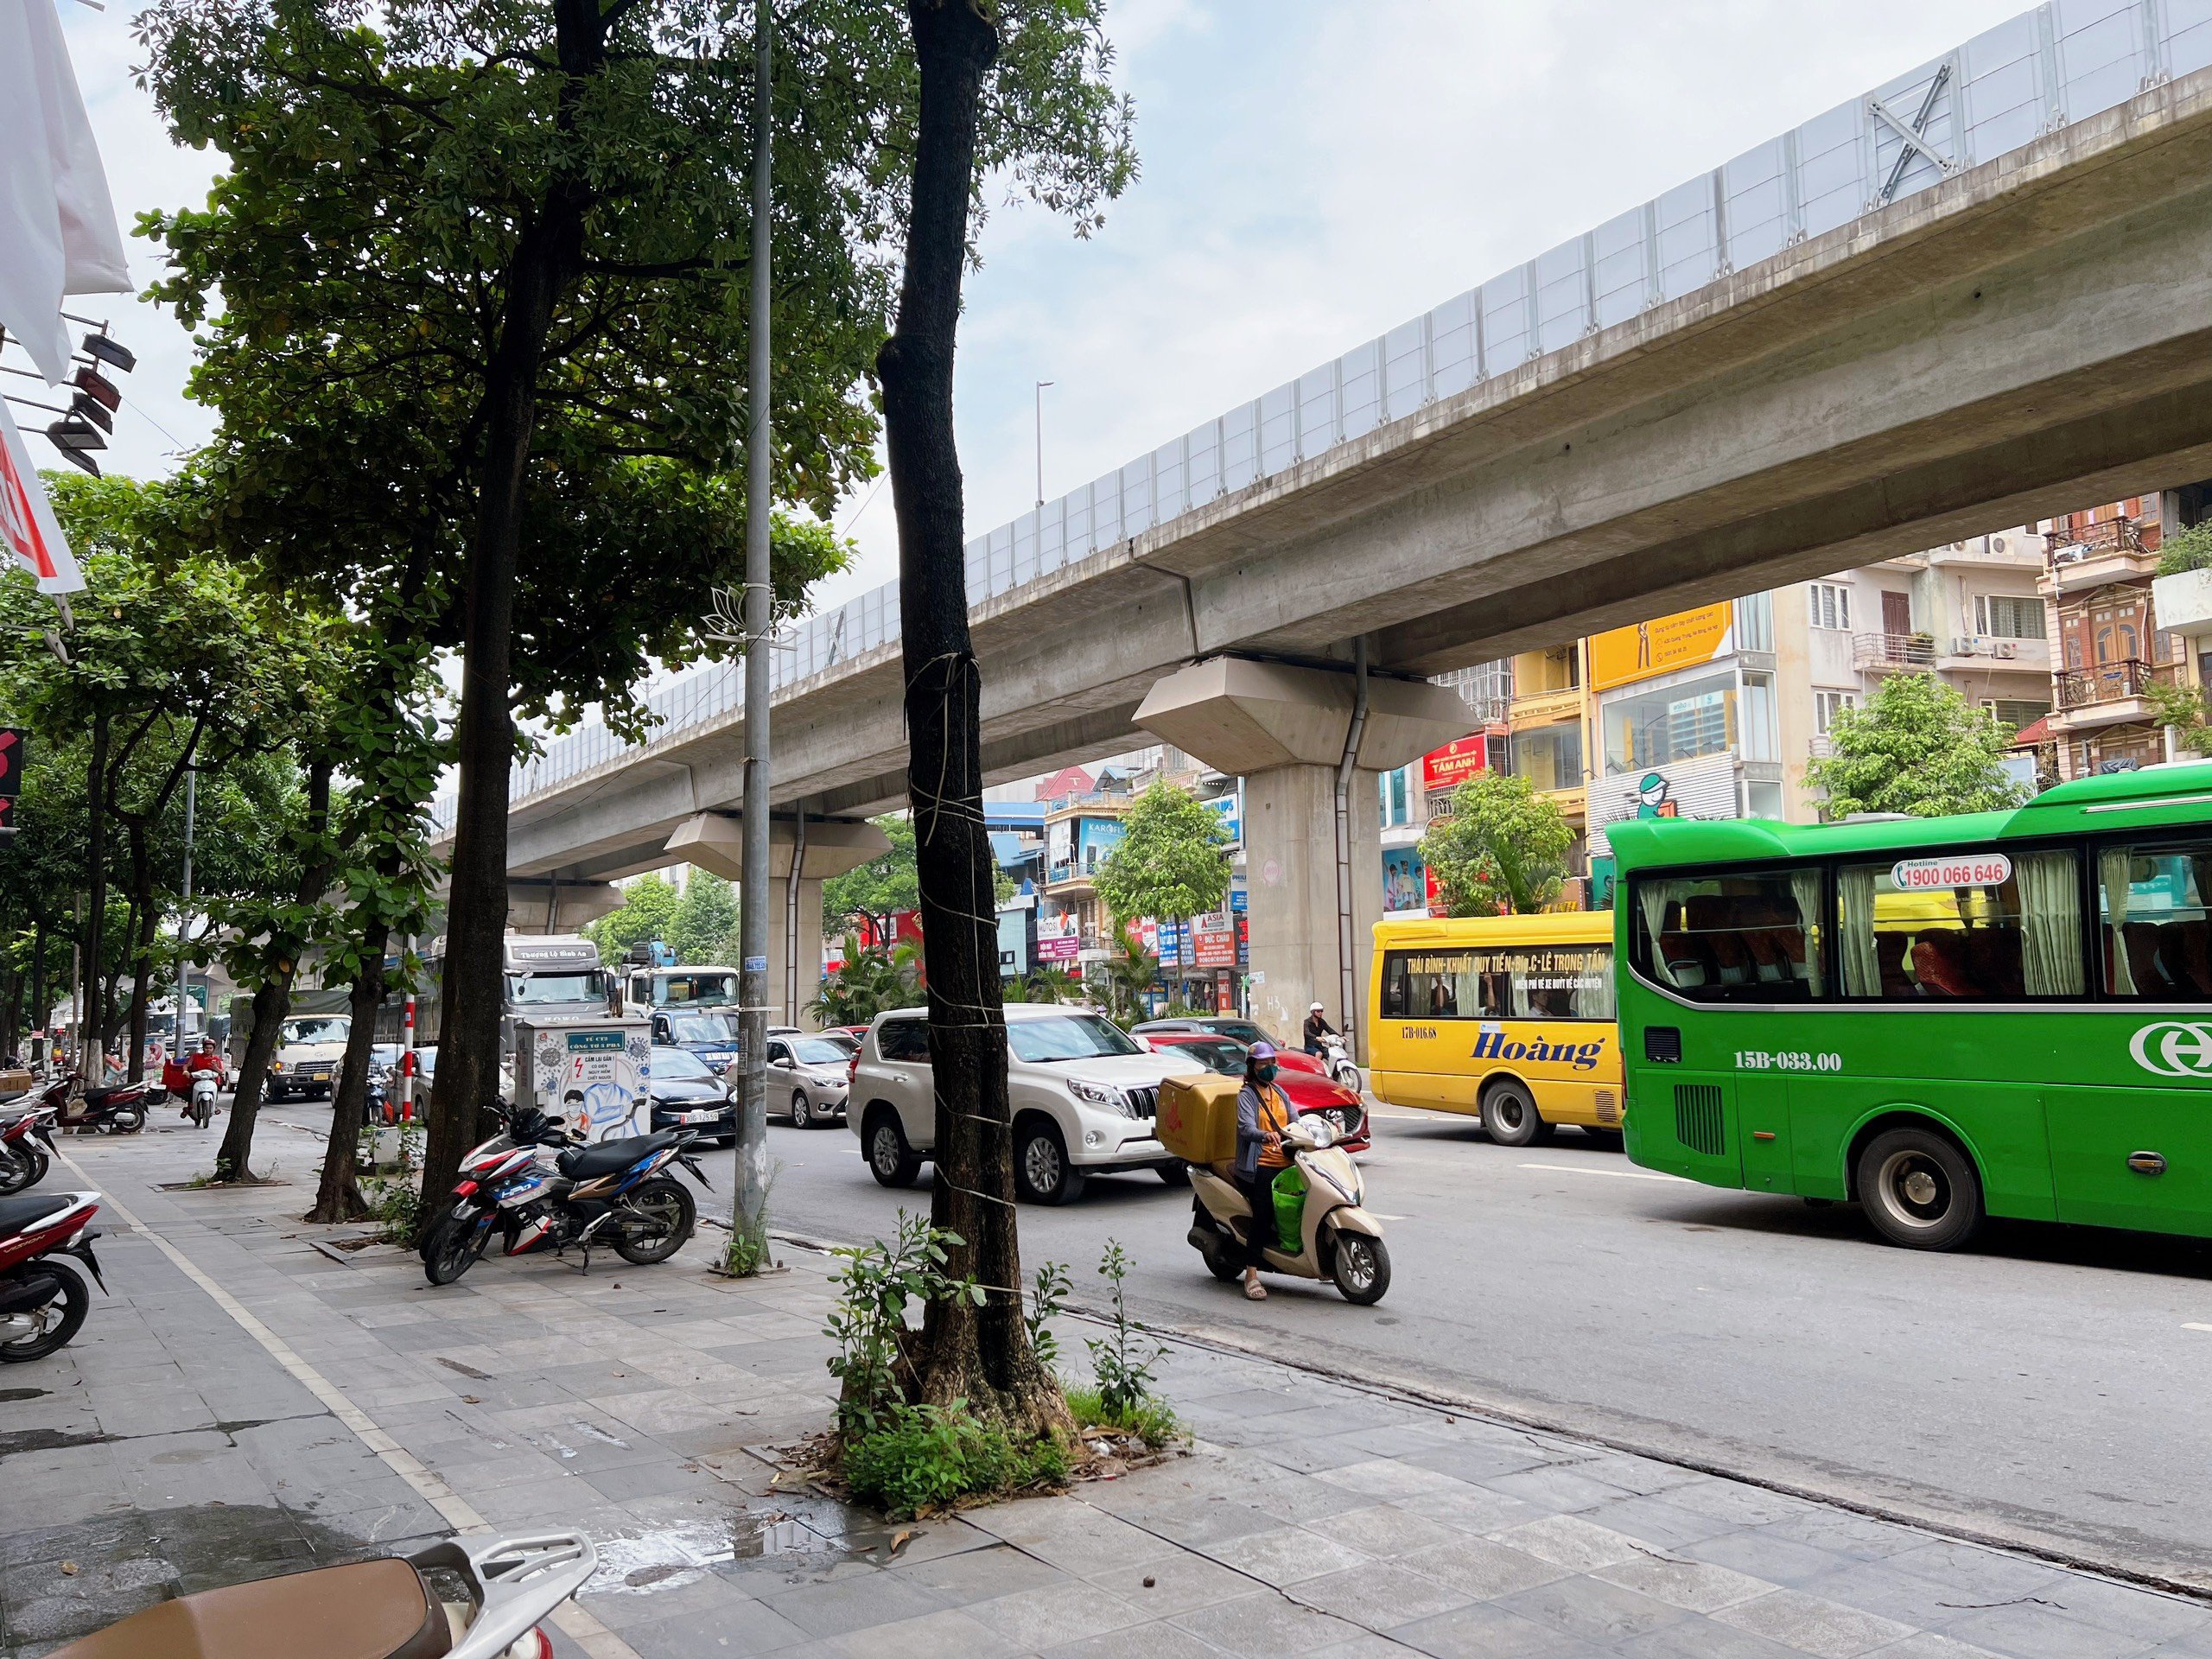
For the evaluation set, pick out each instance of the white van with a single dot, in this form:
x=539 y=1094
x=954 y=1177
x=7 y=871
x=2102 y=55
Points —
x=310 y=1048
x=1083 y=1094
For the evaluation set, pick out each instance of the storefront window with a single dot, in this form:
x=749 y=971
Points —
x=1681 y=722
x=1550 y=757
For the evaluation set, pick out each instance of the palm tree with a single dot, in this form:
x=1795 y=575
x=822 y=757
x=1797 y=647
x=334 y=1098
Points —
x=1128 y=978
x=866 y=984
x=1054 y=984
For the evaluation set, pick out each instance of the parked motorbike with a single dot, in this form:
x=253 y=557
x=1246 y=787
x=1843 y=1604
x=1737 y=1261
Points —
x=1339 y=1239
x=42 y=1299
x=26 y=1139
x=1337 y=1061
x=543 y=1189
x=119 y=1110
x=400 y=1607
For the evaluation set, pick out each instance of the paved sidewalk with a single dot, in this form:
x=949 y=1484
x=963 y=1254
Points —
x=345 y=1405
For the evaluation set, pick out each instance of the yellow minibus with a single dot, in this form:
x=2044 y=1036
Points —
x=1507 y=1018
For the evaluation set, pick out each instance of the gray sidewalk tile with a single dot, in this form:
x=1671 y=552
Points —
x=1826 y=1629
x=840 y=1606
x=1697 y=1586
x=1385 y=1530
x=945 y=1635
x=1487 y=1631
x=1033 y=1619
x=1767 y=1555
x=2025 y=1631
x=733 y=1633
x=1155 y=1641
x=1263 y=1625
x=1570 y=1542
x=1482 y=1568
x=981 y=1574
x=1173 y=1584
x=1599 y=1612
x=1379 y=1596
x=1700 y=1637
x=1285 y=1555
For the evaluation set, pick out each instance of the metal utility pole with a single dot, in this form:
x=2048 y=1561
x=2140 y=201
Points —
x=749 y=1198
x=1041 y=384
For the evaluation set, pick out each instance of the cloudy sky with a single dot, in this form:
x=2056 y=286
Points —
x=1314 y=172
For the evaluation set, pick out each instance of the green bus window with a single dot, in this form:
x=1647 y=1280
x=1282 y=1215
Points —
x=1732 y=938
x=2155 y=920
x=2014 y=934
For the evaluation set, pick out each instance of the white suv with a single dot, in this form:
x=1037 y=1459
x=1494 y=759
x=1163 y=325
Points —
x=1084 y=1095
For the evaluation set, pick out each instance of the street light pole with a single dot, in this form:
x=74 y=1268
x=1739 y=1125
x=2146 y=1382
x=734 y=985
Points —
x=1041 y=384
x=749 y=1199
x=184 y=912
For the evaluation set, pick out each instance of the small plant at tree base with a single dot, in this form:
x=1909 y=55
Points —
x=869 y=1324
x=396 y=1206
x=1046 y=1302
x=1150 y=1420
x=747 y=1254
x=925 y=1456
x=1124 y=1364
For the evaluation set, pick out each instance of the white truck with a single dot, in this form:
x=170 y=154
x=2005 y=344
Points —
x=1083 y=1094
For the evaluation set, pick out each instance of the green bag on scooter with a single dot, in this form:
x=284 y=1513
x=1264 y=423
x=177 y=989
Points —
x=1290 y=1210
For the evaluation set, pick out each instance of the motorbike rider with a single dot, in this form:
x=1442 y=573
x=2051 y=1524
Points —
x=1263 y=1112
x=1317 y=1027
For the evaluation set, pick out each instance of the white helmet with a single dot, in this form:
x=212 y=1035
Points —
x=1316 y=1008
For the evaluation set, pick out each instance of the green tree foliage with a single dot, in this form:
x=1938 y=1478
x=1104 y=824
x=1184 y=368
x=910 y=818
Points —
x=2184 y=708
x=1504 y=848
x=2186 y=550
x=866 y=982
x=704 y=927
x=1171 y=862
x=647 y=911
x=1918 y=747
x=880 y=889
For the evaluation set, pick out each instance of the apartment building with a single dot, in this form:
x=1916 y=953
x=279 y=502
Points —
x=2099 y=568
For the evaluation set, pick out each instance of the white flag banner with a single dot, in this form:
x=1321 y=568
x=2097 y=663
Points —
x=58 y=234
x=28 y=531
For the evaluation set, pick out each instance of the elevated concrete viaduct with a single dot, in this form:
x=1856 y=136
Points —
x=2018 y=337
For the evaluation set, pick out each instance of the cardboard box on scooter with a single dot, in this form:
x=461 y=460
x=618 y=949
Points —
x=1197 y=1118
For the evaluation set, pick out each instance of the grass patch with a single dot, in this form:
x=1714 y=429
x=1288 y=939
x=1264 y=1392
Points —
x=1149 y=1419
x=927 y=1457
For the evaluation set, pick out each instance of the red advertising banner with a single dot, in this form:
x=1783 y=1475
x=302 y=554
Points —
x=1446 y=768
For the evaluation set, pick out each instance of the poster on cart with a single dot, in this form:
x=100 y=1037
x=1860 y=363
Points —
x=593 y=1075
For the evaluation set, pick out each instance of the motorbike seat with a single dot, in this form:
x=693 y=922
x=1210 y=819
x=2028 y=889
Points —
x=101 y=1096
x=370 y=1610
x=610 y=1157
x=18 y=1215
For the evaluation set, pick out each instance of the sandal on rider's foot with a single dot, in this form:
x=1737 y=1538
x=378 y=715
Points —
x=1255 y=1292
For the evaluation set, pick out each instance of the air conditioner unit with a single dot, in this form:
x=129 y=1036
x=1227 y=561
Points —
x=1969 y=645
x=2006 y=649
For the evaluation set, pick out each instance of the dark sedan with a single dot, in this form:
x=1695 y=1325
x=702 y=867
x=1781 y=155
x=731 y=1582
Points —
x=686 y=1096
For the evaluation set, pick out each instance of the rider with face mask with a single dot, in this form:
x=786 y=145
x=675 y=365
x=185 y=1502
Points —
x=1263 y=1112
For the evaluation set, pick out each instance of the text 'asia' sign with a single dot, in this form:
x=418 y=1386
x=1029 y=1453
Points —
x=1934 y=875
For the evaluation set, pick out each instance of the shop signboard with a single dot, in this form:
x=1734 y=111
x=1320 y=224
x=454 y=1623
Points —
x=1173 y=937
x=1443 y=770
x=1684 y=639
x=1059 y=849
x=1214 y=940
x=1013 y=941
x=1703 y=788
x=1404 y=879
x=1058 y=949
x=1225 y=807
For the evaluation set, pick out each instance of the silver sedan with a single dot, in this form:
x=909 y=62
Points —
x=809 y=1078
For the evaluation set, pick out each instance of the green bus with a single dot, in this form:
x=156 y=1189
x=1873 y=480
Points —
x=2003 y=1014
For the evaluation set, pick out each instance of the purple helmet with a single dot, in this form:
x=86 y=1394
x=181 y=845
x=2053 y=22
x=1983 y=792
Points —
x=1263 y=1051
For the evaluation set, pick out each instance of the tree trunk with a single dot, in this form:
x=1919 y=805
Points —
x=90 y=1037
x=979 y=1354
x=145 y=922
x=273 y=1000
x=547 y=259
x=339 y=1196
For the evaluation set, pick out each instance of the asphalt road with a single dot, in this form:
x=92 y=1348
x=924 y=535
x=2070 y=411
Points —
x=2048 y=1387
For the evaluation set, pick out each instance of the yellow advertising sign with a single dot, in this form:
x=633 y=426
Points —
x=1682 y=640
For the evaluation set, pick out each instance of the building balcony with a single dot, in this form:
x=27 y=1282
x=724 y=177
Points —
x=2105 y=553
x=1546 y=708
x=1980 y=653
x=1893 y=653
x=2110 y=694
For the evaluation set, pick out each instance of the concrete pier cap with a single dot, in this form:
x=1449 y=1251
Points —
x=542 y=905
x=715 y=842
x=1282 y=728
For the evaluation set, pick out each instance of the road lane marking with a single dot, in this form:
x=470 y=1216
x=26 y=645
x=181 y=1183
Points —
x=2187 y=1326
x=1617 y=1174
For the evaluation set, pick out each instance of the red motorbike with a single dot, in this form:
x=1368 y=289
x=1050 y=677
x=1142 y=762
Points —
x=119 y=1110
x=23 y=1160
x=42 y=1299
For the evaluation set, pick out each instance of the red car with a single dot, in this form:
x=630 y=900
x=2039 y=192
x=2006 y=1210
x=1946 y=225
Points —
x=1309 y=1091
x=1242 y=1032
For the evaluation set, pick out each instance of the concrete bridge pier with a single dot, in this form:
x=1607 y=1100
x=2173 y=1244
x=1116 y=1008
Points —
x=538 y=904
x=715 y=842
x=1284 y=730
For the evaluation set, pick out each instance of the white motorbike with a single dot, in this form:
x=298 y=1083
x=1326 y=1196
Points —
x=462 y=1599
x=1339 y=1239
x=201 y=1108
x=1337 y=1061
